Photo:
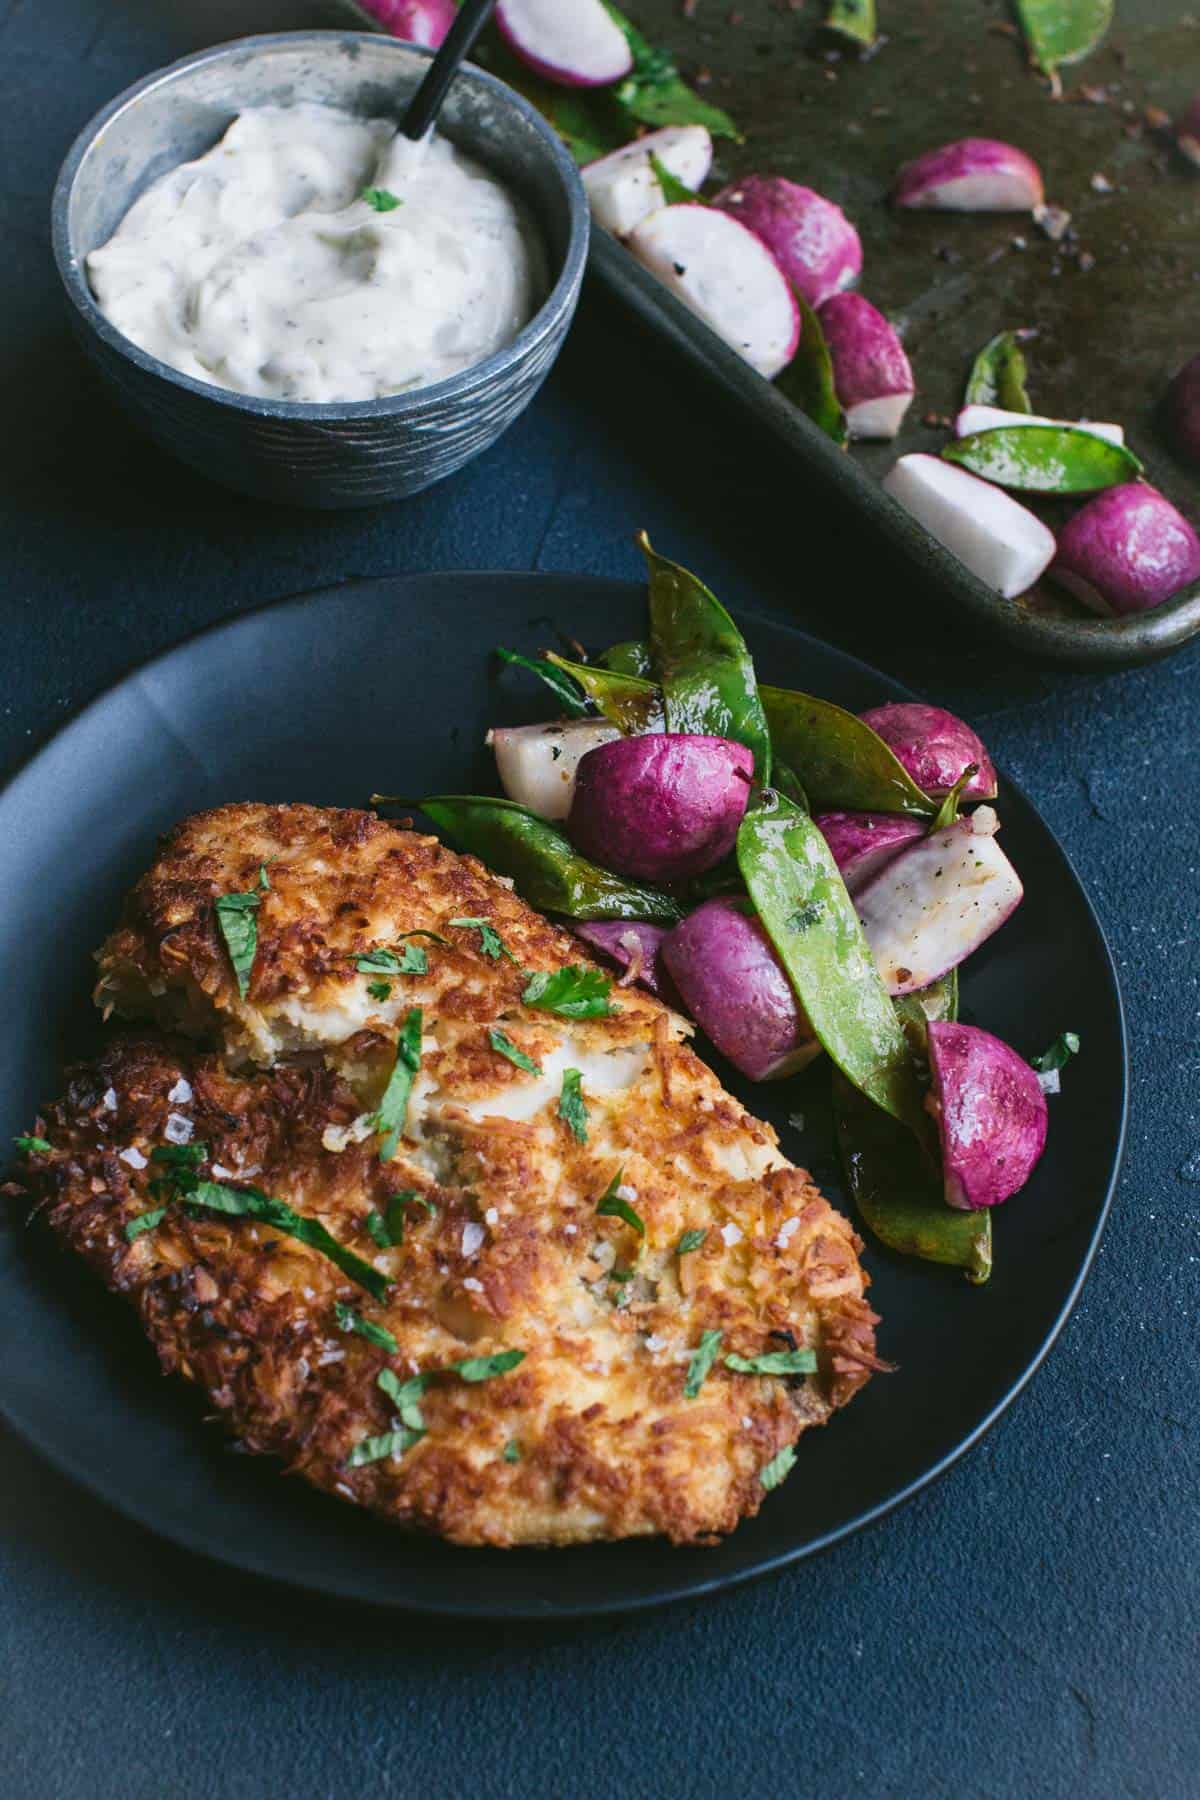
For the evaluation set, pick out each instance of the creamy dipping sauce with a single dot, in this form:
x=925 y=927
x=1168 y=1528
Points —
x=261 y=268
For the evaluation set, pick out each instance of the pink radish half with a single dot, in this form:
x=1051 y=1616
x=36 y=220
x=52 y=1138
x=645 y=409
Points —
x=998 y=539
x=734 y=986
x=1127 y=550
x=871 y=373
x=811 y=239
x=623 y=188
x=662 y=806
x=424 y=22
x=537 y=763
x=937 y=902
x=991 y=1114
x=1183 y=410
x=989 y=418
x=635 y=946
x=934 y=746
x=727 y=277
x=575 y=43
x=864 y=843
x=971 y=175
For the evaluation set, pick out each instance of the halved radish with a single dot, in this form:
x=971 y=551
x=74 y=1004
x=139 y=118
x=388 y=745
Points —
x=734 y=986
x=971 y=175
x=727 y=277
x=661 y=806
x=576 y=43
x=1127 y=550
x=989 y=418
x=810 y=238
x=871 y=373
x=991 y=1114
x=998 y=539
x=537 y=763
x=938 y=901
x=864 y=843
x=423 y=22
x=622 y=188
x=634 y=945
x=935 y=746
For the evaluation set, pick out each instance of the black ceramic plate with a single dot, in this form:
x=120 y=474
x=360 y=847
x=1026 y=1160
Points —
x=388 y=684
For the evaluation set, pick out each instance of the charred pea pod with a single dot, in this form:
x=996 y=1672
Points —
x=632 y=704
x=540 y=860
x=802 y=902
x=997 y=376
x=842 y=764
x=705 y=670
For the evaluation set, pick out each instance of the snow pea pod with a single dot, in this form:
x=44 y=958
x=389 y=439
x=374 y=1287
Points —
x=997 y=376
x=808 y=378
x=705 y=670
x=629 y=701
x=1044 y=459
x=841 y=763
x=802 y=901
x=1062 y=31
x=547 y=870
x=630 y=658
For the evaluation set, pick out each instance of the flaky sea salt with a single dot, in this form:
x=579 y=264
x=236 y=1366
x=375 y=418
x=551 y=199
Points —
x=731 y=1233
x=178 y=1129
x=133 y=1157
x=181 y=1093
x=472 y=1239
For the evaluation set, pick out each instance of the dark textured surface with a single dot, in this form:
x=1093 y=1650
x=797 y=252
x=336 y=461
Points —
x=1026 y=1628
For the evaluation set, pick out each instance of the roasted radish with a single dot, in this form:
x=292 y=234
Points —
x=576 y=43
x=623 y=188
x=661 y=807
x=971 y=175
x=935 y=747
x=991 y=1114
x=871 y=374
x=998 y=539
x=537 y=763
x=733 y=985
x=1127 y=550
x=811 y=239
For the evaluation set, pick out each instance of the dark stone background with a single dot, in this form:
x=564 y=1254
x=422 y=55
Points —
x=1025 y=1628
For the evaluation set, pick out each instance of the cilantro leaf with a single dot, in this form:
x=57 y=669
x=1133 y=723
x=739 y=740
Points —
x=482 y=1368
x=656 y=94
x=375 y=1449
x=378 y=1228
x=389 y=1120
x=512 y=1451
x=180 y=1156
x=144 y=1222
x=32 y=1146
x=250 y=1203
x=237 y=916
x=381 y=200
x=775 y=1362
x=490 y=941
x=611 y=1206
x=349 y=1320
x=703 y=1358
x=772 y=1473
x=411 y=961
x=1059 y=1054
x=379 y=990
x=574 y=992
x=504 y=1046
x=556 y=679
x=571 y=1106
x=405 y=1396
x=674 y=191
x=691 y=1240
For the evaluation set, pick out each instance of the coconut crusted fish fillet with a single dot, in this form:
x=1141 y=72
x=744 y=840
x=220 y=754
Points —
x=593 y=1434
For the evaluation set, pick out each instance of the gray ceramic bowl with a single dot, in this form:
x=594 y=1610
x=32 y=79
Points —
x=363 y=452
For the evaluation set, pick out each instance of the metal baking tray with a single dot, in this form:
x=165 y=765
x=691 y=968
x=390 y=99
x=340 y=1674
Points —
x=1115 y=308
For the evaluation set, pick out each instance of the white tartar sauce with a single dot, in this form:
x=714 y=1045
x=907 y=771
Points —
x=260 y=267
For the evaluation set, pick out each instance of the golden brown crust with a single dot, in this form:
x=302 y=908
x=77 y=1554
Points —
x=514 y=1255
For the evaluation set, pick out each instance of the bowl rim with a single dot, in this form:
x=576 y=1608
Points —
x=411 y=401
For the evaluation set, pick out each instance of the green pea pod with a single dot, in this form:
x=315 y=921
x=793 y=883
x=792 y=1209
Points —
x=997 y=376
x=1063 y=31
x=541 y=860
x=808 y=378
x=568 y=696
x=853 y=19
x=842 y=764
x=655 y=93
x=629 y=701
x=790 y=786
x=631 y=658
x=706 y=671
x=802 y=901
x=1044 y=459
x=898 y=1191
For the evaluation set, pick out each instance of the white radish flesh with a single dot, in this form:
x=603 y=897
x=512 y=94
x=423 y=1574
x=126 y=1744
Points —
x=537 y=763
x=871 y=373
x=622 y=189
x=937 y=902
x=575 y=43
x=998 y=539
x=971 y=175
x=990 y=418
x=727 y=277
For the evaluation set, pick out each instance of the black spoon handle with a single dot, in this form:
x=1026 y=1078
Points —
x=426 y=103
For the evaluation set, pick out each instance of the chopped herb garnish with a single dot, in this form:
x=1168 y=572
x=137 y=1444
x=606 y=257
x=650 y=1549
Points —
x=611 y=1206
x=1059 y=1054
x=691 y=1240
x=32 y=1146
x=377 y=1226
x=703 y=1358
x=512 y=1451
x=381 y=200
x=349 y=1320
x=772 y=1473
x=145 y=1222
x=490 y=941
x=250 y=1203
x=482 y=1368
x=573 y=992
x=180 y=1156
x=775 y=1362
x=379 y=990
x=405 y=1396
x=374 y=1449
x=620 y=1276
x=237 y=916
x=571 y=1106
x=504 y=1046
x=411 y=961
x=389 y=1120
x=805 y=916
